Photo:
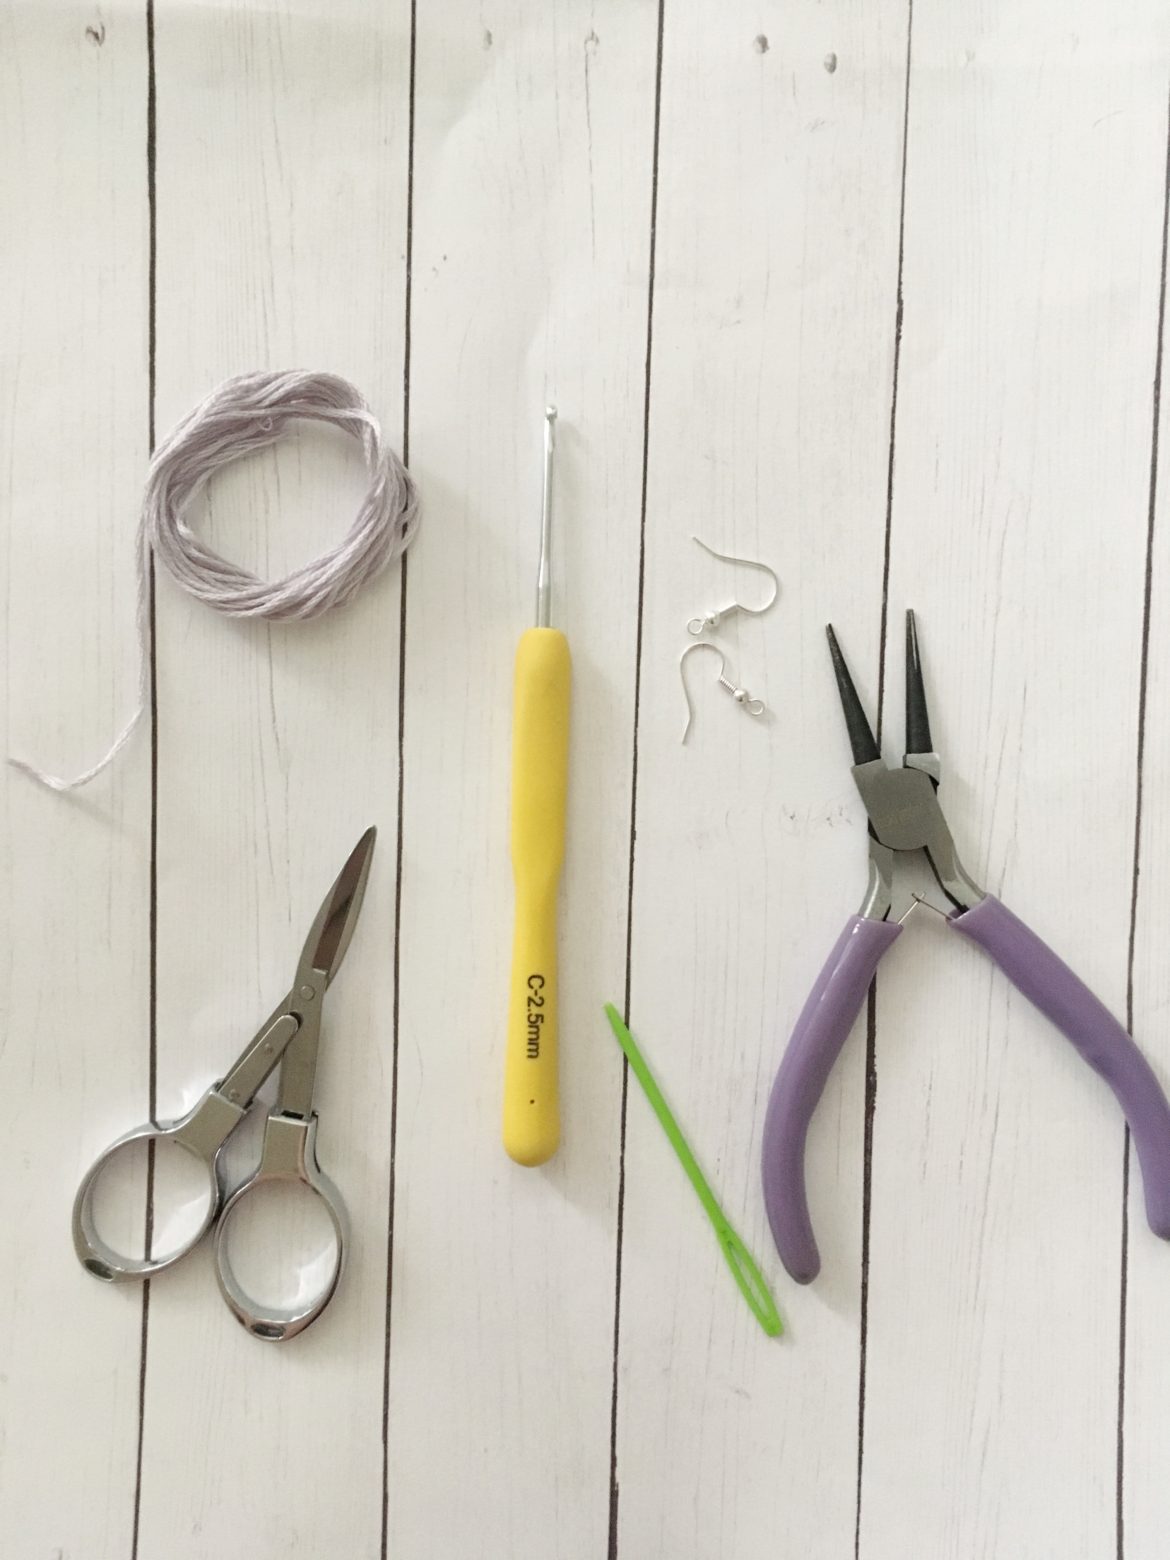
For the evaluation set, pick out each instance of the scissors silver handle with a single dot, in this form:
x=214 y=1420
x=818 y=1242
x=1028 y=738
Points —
x=289 y=1153
x=202 y=1132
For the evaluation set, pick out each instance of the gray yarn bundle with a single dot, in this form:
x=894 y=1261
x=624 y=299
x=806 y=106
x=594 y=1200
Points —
x=243 y=415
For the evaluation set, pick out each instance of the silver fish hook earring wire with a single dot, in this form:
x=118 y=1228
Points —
x=741 y=696
x=710 y=620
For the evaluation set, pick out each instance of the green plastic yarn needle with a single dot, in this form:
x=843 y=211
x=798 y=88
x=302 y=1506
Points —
x=747 y=1275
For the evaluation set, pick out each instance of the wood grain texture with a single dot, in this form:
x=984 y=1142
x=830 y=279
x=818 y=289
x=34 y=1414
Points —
x=871 y=292
x=74 y=923
x=1033 y=223
x=774 y=329
x=533 y=180
x=280 y=132
x=1144 y=1509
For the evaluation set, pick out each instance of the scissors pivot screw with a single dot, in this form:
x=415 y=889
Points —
x=308 y=992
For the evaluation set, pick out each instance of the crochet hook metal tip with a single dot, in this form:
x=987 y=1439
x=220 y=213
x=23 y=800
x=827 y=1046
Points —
x=540 y=777
x=544 y=570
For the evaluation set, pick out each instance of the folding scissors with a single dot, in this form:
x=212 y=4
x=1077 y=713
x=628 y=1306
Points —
x=905 y=816
x=288 y=1038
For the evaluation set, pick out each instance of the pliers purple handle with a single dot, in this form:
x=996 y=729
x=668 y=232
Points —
x=904 y=815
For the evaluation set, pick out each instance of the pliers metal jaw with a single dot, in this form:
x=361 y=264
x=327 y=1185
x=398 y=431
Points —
x=902 y=804
x=904 y=815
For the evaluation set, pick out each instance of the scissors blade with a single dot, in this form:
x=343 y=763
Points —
x=329 y=937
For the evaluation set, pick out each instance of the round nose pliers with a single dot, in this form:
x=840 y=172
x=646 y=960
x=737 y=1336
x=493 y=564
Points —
x=904 y=816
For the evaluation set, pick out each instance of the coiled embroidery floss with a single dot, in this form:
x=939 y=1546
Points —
x=241 y=416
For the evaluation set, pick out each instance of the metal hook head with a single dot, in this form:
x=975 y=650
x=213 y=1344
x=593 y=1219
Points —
x=700 y=625
x=711 y=620
x=741 y=696
x=702 y=644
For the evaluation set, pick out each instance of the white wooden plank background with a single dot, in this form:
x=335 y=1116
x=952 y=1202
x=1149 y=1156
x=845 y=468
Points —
x=874 y=292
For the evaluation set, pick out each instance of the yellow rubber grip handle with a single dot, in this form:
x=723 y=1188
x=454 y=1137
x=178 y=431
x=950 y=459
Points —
x=540 y=774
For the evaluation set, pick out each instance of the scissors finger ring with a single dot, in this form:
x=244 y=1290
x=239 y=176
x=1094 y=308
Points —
x=289 y=1154
x=289 y=1038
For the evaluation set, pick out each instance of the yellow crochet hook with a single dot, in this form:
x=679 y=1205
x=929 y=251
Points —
x=540 y=773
